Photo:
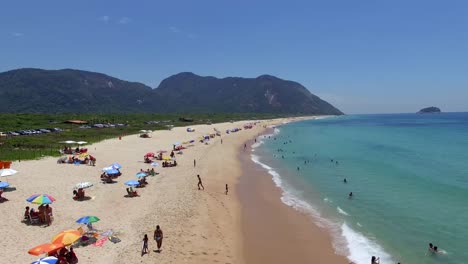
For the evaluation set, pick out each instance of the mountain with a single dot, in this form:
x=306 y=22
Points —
x=55 y=91
x=431 y=109
x=264 y=94
x=46 y=91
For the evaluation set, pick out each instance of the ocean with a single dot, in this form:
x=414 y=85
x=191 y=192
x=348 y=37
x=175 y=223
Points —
x=408 y=174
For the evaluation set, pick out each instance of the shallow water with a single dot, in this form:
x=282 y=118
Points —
x=408 y=174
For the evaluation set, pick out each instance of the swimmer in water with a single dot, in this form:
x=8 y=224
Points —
x=345 y=181
x=350 y=195
x=298 y=168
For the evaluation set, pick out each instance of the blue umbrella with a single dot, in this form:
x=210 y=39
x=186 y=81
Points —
x=141 y=174
x=132 y=183
x=4 y=185
x=116 y=166
x=112 y=171
x=87 y=219
x=155 y=164
x=47 y=260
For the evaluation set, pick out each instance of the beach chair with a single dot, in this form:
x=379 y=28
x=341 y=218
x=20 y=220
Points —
x=34 y=220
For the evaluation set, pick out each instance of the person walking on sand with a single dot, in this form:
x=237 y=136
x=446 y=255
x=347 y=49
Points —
x=227 y=189
x=194 y=163
x=145 y=245
x=158 y=236
x=200 y=184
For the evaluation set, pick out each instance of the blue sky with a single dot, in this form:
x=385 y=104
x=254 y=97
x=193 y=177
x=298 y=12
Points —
x=363 y=56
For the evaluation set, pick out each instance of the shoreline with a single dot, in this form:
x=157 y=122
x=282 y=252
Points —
x=199 y=226
x=274 y=232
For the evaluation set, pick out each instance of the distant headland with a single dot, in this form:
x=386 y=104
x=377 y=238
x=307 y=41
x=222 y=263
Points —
x=431 y=109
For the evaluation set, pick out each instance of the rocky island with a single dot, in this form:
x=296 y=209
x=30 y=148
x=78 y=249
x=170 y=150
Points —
x=431 y=109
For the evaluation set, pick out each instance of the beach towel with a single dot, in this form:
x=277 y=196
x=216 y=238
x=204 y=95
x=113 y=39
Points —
x=100 y=242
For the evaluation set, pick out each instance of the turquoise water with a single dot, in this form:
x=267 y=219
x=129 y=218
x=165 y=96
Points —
x=408 y=174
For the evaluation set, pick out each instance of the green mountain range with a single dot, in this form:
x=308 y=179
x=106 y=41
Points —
x=59 y=91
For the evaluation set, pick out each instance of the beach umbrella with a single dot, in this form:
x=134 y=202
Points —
x=7 y=172
x=69 y=142
x=116 y=166
x=141 y=174
x=81 y=142
x=112 y=171
x=166 y=158
x=47 y=260
x=87 y=220
x=83 y=185
x=107 y=168
x=155 y=164
x=41 y=199
x=67 y=237
x=177 y=143
x=4 y=185
x=45 y=249
x=132 y=183
x=149 y=154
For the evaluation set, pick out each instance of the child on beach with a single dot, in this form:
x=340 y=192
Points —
x=145 y=245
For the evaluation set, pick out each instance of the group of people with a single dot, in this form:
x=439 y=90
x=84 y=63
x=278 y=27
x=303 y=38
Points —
x=169 y=164
x=131 y=192
x=78 y=194
x=158 y=237
x=43 y=215
x=89 y=160
x=70 y=150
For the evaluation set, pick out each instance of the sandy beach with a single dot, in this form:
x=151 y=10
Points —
x=199 y=226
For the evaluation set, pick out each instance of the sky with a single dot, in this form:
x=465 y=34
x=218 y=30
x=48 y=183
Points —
x=362 y=56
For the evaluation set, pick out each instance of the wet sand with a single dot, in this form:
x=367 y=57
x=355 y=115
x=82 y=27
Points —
x=274 y=232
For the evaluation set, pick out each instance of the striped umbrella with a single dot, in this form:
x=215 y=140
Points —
x=67 y=237
x=45 y=249
x=41 y=199
x=47 y=260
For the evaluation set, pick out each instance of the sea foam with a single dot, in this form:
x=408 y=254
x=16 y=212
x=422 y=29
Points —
x=346 y=241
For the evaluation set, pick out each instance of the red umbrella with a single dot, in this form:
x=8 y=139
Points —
x=149 y=154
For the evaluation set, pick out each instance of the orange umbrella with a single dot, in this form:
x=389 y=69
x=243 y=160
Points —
x=67 y=237
x=45 y=248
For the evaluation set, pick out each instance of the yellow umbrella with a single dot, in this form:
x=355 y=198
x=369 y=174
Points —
x=166 y=158
x=67 y=237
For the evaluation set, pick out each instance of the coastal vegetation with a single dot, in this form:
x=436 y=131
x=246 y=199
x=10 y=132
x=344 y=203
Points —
x=25 y=147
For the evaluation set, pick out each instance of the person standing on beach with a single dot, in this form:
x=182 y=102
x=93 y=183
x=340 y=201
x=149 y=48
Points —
x=245 y=146
x=221 y=141
x=158 y=236
x=194 y=163
x=200 y=184
x=227 y=189
x=145 y=245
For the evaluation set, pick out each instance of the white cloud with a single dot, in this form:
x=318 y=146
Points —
x=174 y=29
x=105 y=19
x=124 y=20
x=17 y=34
